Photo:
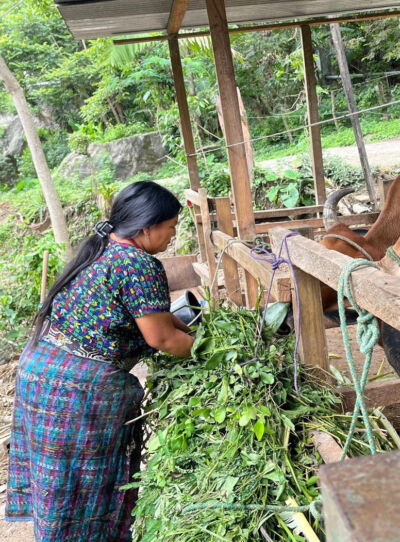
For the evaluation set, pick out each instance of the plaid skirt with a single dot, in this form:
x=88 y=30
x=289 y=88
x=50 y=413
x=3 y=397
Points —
x=70 y=451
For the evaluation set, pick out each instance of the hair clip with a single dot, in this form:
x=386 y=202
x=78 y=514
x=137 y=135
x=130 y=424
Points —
x=103 y=228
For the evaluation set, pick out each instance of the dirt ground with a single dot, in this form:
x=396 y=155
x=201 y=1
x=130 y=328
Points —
x=381 y=154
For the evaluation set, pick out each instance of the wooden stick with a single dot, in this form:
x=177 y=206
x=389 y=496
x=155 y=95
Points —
x=44 y=275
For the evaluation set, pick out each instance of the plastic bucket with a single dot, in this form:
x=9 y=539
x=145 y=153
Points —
x=187 y=308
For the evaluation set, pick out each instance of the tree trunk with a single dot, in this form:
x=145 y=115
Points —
x=57 y=217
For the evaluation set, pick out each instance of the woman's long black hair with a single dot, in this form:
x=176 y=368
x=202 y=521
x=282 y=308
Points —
x=138 y=206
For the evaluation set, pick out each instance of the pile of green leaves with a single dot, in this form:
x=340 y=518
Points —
x=230 y=433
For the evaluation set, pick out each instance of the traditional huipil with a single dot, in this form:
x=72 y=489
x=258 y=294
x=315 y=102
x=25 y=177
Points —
x=70 y=451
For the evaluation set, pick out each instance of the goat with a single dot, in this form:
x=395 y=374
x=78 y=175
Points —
x=384 y=232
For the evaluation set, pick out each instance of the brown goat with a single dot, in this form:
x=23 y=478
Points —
x=385 y=232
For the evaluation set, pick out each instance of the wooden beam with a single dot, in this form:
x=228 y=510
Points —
x=377 y=394
x=186 y=129
x=260 y=270
x=313 y=116
x=231 y=274
x=271 y=213
x=176 y=16
x=375 y=291
x=231 y=115
x=355 y=121
x=266 y=27
x=184 y=115
x=351 y=220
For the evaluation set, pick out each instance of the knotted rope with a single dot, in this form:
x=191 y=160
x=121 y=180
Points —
x=367 y=337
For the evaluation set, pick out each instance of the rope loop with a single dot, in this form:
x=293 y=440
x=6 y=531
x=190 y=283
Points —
x=367 y=337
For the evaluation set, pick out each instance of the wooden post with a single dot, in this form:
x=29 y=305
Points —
x=45 y=268
x=313 y=117
x=231 y=115
x=383 y=187
x=313 y=349
x=187 y=133
x=210 y=255
x=355 y=121
x=233 y=130
x=232 y=281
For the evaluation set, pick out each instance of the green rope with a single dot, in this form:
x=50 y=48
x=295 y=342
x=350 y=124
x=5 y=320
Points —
x=392 y=255
x=367 y=337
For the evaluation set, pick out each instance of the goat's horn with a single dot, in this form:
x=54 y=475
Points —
x=329 y=214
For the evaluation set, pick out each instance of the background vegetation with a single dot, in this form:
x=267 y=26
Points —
x=96 y=92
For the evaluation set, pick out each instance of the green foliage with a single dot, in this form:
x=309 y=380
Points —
x=286 y=188
x=229 y=433
x=19 y=296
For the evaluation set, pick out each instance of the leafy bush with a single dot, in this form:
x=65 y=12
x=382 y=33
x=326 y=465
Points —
x=287 y=188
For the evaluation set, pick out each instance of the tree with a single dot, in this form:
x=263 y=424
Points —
x=57 y=217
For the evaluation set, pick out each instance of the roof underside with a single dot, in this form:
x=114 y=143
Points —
x=88 y=19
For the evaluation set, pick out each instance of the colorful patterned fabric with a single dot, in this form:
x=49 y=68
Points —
x=70 y=451
x=97 y=310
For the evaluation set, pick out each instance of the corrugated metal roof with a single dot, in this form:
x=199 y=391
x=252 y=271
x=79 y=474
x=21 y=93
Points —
x=97 y=18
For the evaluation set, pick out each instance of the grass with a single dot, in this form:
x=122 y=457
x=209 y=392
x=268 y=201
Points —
x=372 y=129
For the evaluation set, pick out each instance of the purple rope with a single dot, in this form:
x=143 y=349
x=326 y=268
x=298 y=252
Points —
x=260 y=253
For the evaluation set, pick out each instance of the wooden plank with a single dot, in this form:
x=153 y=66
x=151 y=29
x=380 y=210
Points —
x=375 y=291
x=231 y=274
x=210 y=255
x=180 y=273
x=231 y=114
x=313 y=116
x=177 y=15
x=260 y=270
x=246 y=132
x=359 y=498
x=351 y=220
x=193 y=196
x=377 y=394
x=274 y=213
x=351 y=102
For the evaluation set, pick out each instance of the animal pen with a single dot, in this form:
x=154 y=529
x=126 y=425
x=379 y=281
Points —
x=226 y=225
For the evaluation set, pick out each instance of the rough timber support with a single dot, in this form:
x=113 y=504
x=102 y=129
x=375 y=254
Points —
x=233 y=130
x=313 y=117
x=187 y=133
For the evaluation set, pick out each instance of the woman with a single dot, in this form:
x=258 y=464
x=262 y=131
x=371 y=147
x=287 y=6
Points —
x=70 y=451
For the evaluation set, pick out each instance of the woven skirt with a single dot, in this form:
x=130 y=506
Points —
x=70 y=451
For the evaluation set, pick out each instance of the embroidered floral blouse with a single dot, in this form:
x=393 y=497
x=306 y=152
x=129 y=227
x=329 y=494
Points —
x=94 y=316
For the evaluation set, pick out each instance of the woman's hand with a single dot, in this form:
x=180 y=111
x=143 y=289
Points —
x=179 y=324
x=161 y=332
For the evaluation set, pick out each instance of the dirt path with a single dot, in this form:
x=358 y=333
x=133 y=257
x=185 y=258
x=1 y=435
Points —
x=382 y=154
